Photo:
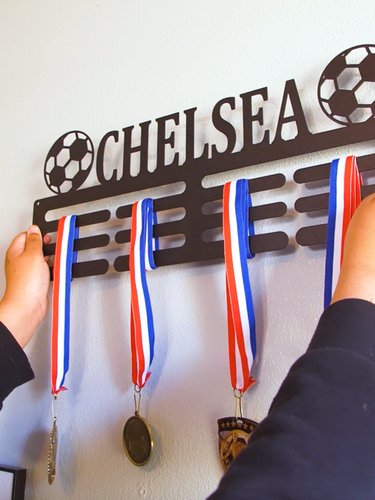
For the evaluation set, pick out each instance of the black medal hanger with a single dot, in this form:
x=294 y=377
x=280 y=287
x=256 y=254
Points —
x=71 y=158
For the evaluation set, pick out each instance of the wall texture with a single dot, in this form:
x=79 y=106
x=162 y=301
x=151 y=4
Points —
x=99 y=66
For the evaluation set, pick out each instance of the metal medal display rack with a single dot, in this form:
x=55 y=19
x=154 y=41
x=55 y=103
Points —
x=193 y=199
x=197 y=221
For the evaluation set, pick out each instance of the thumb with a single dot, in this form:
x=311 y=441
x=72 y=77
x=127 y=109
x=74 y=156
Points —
x=34 y=241
x=17 y=246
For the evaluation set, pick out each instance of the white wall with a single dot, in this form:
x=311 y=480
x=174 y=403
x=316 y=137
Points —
x=99 y=66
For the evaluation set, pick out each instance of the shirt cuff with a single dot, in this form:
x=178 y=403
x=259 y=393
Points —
x=347 y=324
x=15 y=368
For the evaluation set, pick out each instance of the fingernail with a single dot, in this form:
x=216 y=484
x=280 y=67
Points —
x=33 y=229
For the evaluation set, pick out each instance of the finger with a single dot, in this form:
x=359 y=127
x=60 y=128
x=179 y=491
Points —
x=47 y=239
x=17 y=246
x=34 y=239
x=360 y=237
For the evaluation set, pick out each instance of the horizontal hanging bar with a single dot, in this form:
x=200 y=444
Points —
x=259 y=243
x=313 y=235
x=81 y=221
x=256 y=185
x=320 y=201
x=260 y=212
x=101 y=240
x=90 y=268
x=321 y=172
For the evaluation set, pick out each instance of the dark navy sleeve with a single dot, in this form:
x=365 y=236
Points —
x=318 y=440
x=15 y=368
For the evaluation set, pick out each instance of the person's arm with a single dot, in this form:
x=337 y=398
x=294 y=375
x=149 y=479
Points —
x=22 y=308
x=317 y=441
x=15 y=368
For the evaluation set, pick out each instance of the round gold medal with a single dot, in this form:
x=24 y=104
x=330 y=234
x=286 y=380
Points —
x=137 y=440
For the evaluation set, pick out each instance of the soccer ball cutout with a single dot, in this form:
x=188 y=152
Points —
x=346 y=89
x=69 y=162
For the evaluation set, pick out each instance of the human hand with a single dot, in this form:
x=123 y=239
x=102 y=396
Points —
x=25 y=300
x=357 y=275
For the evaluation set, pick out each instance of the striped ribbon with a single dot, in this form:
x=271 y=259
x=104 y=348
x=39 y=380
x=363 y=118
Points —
x=142 y=245
x=344 y=197
x=240 y=310
x=62 y=277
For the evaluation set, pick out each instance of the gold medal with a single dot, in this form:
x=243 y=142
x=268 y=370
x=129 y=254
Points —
x=136 y=436
x=137 y=440
x=52 y=451
x=234 y=433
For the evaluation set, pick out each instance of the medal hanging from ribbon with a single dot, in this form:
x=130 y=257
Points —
x=62 y=277
x=137 y=437
x=234 y=432
x=344 y=197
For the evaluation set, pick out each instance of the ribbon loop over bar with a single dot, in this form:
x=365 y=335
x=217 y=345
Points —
x=141 y=259
x=240 y=310
x=344 y=197
x=65 y=257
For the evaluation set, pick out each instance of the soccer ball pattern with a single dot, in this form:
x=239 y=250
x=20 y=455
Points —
x=69 y=162
x=346 y=89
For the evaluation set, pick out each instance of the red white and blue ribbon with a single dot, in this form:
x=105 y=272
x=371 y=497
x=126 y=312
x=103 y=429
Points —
x=142 y=334
x=240 y=310
x=344 y=198
x=62 y=277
